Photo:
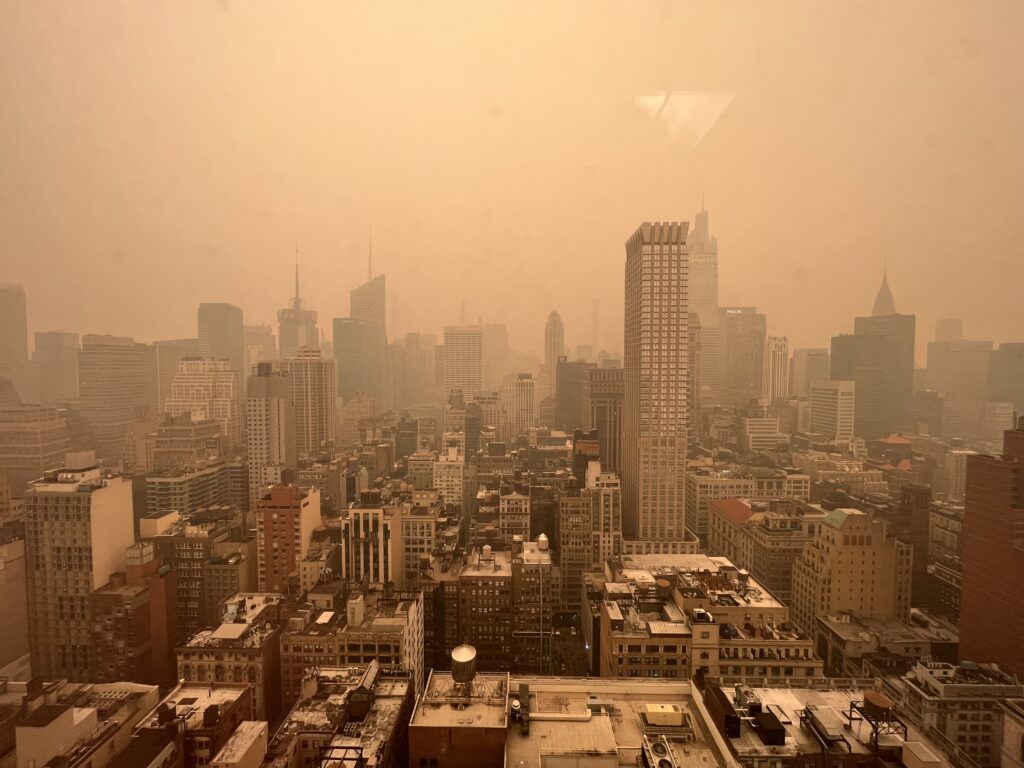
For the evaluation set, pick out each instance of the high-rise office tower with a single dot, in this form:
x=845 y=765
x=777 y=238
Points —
x=775 y=382
x=742 y=335
x=208 y=389
x=111 y=387
x=655 y=397
x=463 y=360
x=993 y=555
x=270 y=430
x=222 y=334
x=1006 y=375
x=808 y=364
x=78 y=525
x=286 y=516
x=169 y=353
x=33 y=440
x=368 y=305
x=959 y=370
x=296 y=325
x=833 y=406
x=55 y=367
x=703 y=295
x=313 y=388
x=571 y=378
x=352 y=340
x=14 y=336
x=554 y=347
x=879 y=357
x=495 y=354
x=519 y=395
x=603 y=406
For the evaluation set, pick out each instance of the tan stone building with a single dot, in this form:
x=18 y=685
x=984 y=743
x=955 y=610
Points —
x=852 y=564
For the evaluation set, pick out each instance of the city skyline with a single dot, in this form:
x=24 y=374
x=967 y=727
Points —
x=511 y=147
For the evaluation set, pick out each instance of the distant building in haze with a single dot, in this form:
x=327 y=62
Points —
x=296 y=325
x=603 y=397
x=208 y=389
x=313 y=388
x=703 y=297
x=112 y=387
x=222 y=334
x=743 y=334
x=463 y=360
x=270 y=422
x=55 y=367
x=879 y=358
x=554 y=347
x=14 y=335
x=807 y=365
x=775 y=383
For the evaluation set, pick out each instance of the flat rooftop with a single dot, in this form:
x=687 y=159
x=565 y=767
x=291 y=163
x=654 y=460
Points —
x=585 y=717
x=483 y=703
x=831 y=707
x=190 y=700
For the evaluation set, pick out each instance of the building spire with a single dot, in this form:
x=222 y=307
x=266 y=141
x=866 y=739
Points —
x=885 y=304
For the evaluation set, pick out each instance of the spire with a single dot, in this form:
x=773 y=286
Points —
x=884 y=302
x=297 y=301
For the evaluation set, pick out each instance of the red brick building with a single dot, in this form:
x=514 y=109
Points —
x=992 y=610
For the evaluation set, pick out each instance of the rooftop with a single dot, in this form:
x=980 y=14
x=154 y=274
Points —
x=245 y=734
x=331 y=709
x=189 y=701
x=843 y=729
x=580 y=718
x=481 y=703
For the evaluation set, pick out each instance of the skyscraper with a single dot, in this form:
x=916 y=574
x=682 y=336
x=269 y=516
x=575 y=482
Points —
x=603 y=406
x=78 y=525
x=959 y=369
x=879 y=358
x=808 y=365
x=112 y=386
x=519 y=397
x=463 y=360
x=703 y=295
x=33 y=440
x=13 y=335
x=993 y=543
x=1006 y=375
x=495 y=354
x=352 y=340
x=296 y=325
x=742 y=335
x=554 y=347
x=222 y=334
x=55 y=366
x=368 y=305
x=775 y=382
x=313 y=388
x=572 y=378
x=655 y=397
x=208 y=389
x=270 y=430
x=833 y=406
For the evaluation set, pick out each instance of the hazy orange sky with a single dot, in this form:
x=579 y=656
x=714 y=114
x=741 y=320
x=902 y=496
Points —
x=158 y=154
